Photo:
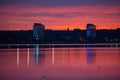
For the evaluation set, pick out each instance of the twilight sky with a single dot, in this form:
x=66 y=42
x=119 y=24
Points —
x=59 y=14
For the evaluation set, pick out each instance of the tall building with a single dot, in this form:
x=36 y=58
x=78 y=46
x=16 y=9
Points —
x=38 y=31
x=91 y=31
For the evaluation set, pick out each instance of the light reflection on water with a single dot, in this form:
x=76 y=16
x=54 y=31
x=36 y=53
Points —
x=60 y=63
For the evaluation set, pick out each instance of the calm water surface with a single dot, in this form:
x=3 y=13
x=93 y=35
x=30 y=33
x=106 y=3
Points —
x=60 y=63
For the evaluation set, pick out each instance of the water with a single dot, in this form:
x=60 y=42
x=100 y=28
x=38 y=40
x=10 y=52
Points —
x=71 y=63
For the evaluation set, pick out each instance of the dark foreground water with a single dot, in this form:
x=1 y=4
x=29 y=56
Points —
x=60 y=63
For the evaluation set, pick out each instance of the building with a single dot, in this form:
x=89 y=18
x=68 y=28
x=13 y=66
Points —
x=38 y=31
x=91 y=31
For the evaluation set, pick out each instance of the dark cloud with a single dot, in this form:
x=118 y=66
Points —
x=59 y=3
x=70 y=14
x=62 y=15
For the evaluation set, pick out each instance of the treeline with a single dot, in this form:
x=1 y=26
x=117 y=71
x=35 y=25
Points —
x=60 y=36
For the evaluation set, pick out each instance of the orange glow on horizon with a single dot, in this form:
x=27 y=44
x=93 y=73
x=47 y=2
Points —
x=60 y=18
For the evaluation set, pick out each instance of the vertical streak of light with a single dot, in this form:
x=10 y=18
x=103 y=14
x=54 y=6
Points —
x=53 y=56
x=36 y=53
x=63 y=56
x=17 y=57
x=28 y=56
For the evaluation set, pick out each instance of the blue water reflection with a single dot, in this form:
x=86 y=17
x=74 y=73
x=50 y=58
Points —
x=90 y=55
x=39 y=55
x=36 y=53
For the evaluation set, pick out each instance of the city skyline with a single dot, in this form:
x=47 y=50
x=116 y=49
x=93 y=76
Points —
x=59 y=14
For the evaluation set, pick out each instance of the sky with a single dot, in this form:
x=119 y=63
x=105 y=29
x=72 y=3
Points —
x=59 y=14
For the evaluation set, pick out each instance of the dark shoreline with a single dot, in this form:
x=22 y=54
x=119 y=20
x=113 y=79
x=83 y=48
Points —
x=60 y=37
x=116 y=45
